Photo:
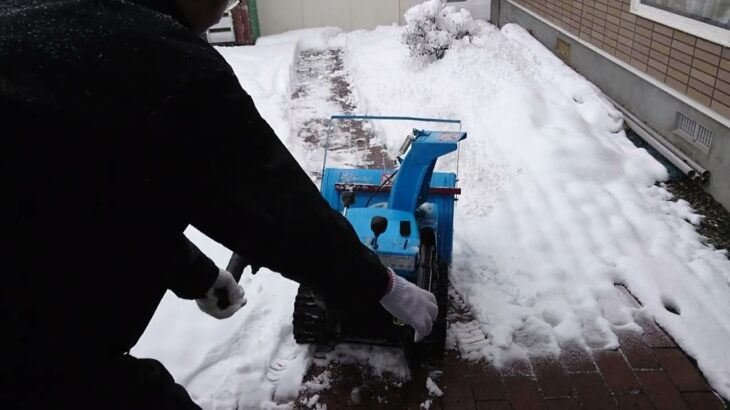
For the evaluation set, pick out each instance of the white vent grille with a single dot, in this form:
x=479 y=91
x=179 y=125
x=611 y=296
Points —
x=686 y=124
x=695 y=133
x=704 y=136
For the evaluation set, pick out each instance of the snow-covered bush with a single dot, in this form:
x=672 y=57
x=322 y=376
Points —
x=431 y=28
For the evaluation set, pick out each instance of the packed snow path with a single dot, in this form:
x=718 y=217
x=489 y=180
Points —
x=322 y=84
x=323 y=89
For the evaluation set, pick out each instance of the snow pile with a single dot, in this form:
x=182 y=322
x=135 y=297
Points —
x=558 y=205
x=312 y=401
x=318 y=383
x=304 y=39
x=433 y=388
x=379 y=361
x=431 y=28
x=247 y=361
x=270 y=88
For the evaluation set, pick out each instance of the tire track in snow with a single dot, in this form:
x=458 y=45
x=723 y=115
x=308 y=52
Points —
x=464 y=332
x=239 y=378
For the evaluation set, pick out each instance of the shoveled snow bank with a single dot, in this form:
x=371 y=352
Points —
x=558 y=205
x=431 y=28
x=266 y=72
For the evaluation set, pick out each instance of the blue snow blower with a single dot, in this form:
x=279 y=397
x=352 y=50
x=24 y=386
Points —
x=406 y=216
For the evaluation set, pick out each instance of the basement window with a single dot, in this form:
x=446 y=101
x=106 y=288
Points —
x=707 y=19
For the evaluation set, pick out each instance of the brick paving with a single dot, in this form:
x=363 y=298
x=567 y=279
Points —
x=647 y=371
x=322 y=82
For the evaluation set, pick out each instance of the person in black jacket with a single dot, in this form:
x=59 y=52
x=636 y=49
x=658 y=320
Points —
x=120 y=127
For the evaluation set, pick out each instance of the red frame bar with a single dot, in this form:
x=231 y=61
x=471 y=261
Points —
x=386 y=188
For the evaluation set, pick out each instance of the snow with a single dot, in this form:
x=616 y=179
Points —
x=266 y=72
x=379 y=361
x=431 y=28
x=557 y=207
x=312 y=401
x=308 y=38
x=318 y=383
x=433 y=388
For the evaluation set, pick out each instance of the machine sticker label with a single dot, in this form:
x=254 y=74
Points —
x=384 y=177
x=398 y=262
x=449 y=136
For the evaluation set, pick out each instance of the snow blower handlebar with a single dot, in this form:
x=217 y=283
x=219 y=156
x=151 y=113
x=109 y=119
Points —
x=235 y=267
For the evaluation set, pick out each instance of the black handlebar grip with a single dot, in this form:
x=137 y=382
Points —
x=222 y=295
x=235 y=267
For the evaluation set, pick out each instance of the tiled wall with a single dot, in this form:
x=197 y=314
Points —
x=693 y=66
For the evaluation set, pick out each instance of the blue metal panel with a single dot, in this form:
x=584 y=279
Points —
x=411 y=184
x=443 y=204
x=409 y=198
x=334 y=176
x=395 y=250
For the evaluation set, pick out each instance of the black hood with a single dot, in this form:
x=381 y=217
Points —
x=168 y=7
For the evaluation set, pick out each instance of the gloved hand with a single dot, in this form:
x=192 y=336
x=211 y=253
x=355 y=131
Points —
x=224 y=283
x=412 y=305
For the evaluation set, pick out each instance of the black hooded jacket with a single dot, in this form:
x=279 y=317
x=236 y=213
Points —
x=119 y=127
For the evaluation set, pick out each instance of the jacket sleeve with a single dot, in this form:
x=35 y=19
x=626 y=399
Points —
x=245 y=190
x=191 y=273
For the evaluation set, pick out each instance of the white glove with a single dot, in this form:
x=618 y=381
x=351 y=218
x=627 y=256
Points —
x=415 y=306
x=225 y=284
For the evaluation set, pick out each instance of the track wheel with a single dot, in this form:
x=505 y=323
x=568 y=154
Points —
x=310 y=317
x=432 y=275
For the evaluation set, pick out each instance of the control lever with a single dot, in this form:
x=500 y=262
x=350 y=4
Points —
x=348 y=198
x=378 y=225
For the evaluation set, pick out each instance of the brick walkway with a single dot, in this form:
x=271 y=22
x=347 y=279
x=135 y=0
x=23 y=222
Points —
x=322 y=84
x=648 y=371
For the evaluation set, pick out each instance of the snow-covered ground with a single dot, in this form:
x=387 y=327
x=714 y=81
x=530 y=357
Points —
x=558 y=206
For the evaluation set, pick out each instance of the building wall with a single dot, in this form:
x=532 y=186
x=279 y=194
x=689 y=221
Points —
x=368 y=15
x=479 y=9
x=693 y=66
x=278 y=16
x=654 y=102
